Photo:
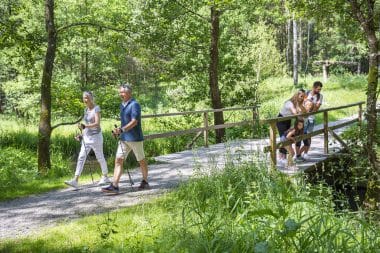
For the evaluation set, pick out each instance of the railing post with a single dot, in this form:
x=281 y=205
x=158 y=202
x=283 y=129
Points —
x=255 y=118
x=325 y=132
x=273 y=147
x=360 y=113
x=205 y=132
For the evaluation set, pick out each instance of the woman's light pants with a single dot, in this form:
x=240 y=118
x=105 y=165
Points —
x=94 y=142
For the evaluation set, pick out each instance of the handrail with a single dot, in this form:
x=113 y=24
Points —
x=279 y=119
x=206 y=127
x=255 y=119
x=198 y=112
x=325 y=130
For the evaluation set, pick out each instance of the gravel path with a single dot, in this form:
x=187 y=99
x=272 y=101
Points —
x=23 y=216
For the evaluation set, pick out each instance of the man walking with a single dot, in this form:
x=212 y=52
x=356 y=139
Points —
x=131 y=138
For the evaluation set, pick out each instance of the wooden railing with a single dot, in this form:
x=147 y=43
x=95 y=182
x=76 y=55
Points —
x=206 y=127
x=272 y=148
x=325 y=130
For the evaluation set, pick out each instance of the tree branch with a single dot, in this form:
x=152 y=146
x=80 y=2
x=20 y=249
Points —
x=67 y=123
x=359 y=14
x=89 y=24
x=191 y=11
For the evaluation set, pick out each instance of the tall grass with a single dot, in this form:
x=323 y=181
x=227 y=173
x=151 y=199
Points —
x=240 y=209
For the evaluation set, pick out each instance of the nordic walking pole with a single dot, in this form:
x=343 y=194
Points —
x=85 y=150
x=122 y=150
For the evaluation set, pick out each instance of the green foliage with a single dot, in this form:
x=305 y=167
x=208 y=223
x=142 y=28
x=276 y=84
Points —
x=16 y=167
x=240 y=209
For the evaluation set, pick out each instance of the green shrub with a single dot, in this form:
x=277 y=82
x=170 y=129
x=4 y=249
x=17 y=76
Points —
x=16 y=166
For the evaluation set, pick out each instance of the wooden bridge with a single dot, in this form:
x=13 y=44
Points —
x=270 y=144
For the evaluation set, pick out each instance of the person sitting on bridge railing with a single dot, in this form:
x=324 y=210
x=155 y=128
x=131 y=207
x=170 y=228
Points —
x=292 y=106
x=291 y=134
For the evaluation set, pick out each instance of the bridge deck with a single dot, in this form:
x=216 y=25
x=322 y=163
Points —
x=244 y=150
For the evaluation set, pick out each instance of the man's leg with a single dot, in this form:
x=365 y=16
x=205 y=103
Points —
x=118 y=171
x=144 y=169
x=121 y=153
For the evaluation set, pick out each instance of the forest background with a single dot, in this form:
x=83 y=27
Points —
x=181 y=56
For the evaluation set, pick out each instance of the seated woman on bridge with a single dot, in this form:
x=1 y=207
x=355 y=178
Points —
x=292 y=106
x=291 y=134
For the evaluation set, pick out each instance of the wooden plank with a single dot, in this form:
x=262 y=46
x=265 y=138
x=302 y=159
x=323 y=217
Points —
x=174 y=133
x=205 y=132
x=198 y=112
x=325 y=132
x=194 y=139
x=346 y=123
x=338 y=138
x=227 y=125
x=298 y=138
x=273 y=148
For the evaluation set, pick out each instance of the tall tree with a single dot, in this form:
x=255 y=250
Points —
x=364 y=12
x=44 y=129
x=216 y=98
x=295 y=52
x=367 y=17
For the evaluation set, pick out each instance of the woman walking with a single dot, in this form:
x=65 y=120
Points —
x=91 y=138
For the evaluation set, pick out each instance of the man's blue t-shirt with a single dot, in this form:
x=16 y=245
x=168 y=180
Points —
x=131 y=110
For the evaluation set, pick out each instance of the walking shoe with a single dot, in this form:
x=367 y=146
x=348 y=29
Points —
x=143 y=185
x=72 y=183
x=104 y=181
x=299 y=159
x=110 y=189
x=305 y=156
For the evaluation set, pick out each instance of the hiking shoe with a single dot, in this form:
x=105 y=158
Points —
x=72 y=183
x=110 y=189
x=104 y=181
x=143 y=185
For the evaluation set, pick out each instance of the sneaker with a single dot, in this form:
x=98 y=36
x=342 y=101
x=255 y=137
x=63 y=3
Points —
x=72 y=183
x=110 y=189
x=104 y=181
x=305 y=156
x=299 y=159
x=143 y=185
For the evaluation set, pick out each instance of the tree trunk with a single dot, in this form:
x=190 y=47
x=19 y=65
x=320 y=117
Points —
x=213 y=73
x=365 y=17
x=295 y=49
x=373 y=187
x=308 y=47
x=288 y=57
x=44 y=131
x=300 y=48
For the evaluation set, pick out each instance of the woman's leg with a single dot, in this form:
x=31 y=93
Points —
x=84 y=150
x=97 y=146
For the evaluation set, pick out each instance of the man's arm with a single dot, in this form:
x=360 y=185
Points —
x=130 y=125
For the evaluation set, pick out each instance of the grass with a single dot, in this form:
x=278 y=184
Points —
x=240 y=209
